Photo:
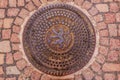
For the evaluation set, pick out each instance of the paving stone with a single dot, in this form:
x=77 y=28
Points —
x=12 y=70
x=98 y=18
x=1 y=78
x=93 y=11
x=5 y=46
x=102 y=7
x=109 y=17
x=118 y=76
x=108 y=0
x=88 y=74
x=2 y=13
x=118 y=17
x=79 y=2
x=2 y=56
x=78 y=77
x=113 y=56
x=15 y=38
x=13 y=78
x=86 y=5
x=9 y=58
x=114 y=7
x=101 y=25
x=30 y=6
x=15 y=46
x=96 y=1
x=95 y=67
x=6 y=34
x=28 y=71
x=112 y=29
x=17 y=55
x=1 y=70
x=8 y=22
x=1 y=23
x=3 y=3
x=12 y=12
x=104 y=41
x=45 y=77
x=16 y=29
x=109 y=76
x=35 y=75
x=103 y=33
x=98 y=78
x=12 y=3
x=18 y=21
x=110 y=67
x=100 y=58
x=37 y=2
x=21 y=3
x=103 y=50
x=21 y=64
x=119 y=29
x=114 y=44
x=23 y=13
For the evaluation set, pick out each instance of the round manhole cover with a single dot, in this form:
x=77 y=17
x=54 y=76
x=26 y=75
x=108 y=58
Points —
x=59 y=39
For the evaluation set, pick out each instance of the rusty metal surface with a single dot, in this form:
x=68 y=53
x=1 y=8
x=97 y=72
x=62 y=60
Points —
x=59 y=39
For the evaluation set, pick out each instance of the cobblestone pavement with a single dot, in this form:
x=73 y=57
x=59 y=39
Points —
x=106 y=14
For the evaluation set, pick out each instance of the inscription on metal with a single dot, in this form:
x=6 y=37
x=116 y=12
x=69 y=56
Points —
x=59 y=39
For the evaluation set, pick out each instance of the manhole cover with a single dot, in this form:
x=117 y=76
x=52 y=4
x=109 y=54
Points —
x=59 y=39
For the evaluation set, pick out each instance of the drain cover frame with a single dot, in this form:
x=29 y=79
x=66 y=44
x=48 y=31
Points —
x=59 y=39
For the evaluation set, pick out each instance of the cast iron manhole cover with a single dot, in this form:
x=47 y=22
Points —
x=59 y=39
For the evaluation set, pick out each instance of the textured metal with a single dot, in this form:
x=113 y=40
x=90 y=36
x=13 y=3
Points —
x=59 y=39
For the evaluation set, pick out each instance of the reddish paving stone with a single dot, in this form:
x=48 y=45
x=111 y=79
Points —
x=98 y=18
x=35 y=75
x=118 y=76
x=5 y=46
x=2 y=56
x=9 y=58
x=114 y=44
x=8 y=22
x=93 y=11
x=114 y=7
x=1 y=78
x=14 y=78
x=1 y=23
x=104 y=41
x=15 y=38
x=12 y=3
x=88 y=74
x=28 y=71
x=37 y=2
x=109 y=76
x=6 y=34
x=2 y=13
x=1 y=70
x=15 y=46
x=101 y=25
x=110 y=67
x=23 y=13
x=78 y=77
x=112 y=29
x=118 y=17
x=16 y=29
x=30 y=6
x=17 y=55
x=108 y=0
x=98 y=78
x=12 y=70
x=113 y=56
x=103 y=33
x=21 y=3
x=103 y=50
x=21 y=64
x=95 y=66
x=86 y=5
x=12 y=12
x=109 y=17
x=18 y=21
x=102 y=7
x=100 y=58
x=96 y=1
x=3 y=3
x=79 y=2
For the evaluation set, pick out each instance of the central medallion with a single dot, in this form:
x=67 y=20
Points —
x=59 y=39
